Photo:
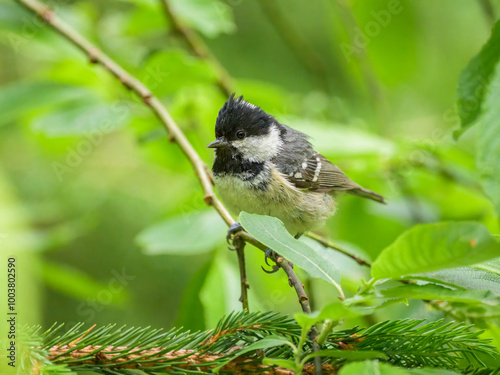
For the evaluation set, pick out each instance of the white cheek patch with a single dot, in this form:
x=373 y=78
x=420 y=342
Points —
x=260 y=148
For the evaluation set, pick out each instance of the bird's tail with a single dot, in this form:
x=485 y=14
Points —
x=365 y=193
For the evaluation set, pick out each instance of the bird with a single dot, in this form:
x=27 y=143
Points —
x=264 y=167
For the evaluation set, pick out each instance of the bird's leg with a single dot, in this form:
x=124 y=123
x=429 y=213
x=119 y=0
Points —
x=231 y=231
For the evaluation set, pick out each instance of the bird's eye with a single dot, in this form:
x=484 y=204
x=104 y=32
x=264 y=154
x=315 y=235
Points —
x=240 y=134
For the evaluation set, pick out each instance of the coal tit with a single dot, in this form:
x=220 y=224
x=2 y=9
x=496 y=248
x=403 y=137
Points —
x=267 y=168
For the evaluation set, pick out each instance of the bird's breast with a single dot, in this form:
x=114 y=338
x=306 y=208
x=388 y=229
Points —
x=270 y=193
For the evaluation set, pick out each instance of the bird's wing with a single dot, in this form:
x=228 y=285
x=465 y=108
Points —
x=317 y=173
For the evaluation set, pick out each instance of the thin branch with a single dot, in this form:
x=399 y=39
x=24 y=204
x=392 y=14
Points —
x=331 y=245
x=199 y=48
x=239 y=245
x=98 y=57
x=224 y=82
x=294 y=281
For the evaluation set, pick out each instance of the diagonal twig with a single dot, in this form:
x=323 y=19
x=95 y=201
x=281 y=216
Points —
x=224 y=82
x=331 y=245
x=294 y=281
x=98 y=57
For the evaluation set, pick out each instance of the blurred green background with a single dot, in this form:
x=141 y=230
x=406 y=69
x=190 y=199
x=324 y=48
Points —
x=106 y=217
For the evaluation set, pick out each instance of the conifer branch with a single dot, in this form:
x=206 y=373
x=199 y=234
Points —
x=406 y=343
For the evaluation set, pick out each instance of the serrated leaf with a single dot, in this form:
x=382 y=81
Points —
x=475 y=79
x=439 y=293
x=471 y=278
x=272 y=233
x=431 y=247
x=492 y=266
x=268 y=342
x=187 y=234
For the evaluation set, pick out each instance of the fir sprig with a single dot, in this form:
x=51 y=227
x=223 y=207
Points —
x=112 y=350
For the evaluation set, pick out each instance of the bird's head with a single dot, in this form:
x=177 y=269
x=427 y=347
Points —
x=246 y=130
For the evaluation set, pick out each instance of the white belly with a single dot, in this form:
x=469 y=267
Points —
x=299 y=211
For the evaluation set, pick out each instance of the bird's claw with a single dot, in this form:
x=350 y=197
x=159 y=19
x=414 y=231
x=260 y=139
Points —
x=231 y=231
x=270 y=254
x=275 y=268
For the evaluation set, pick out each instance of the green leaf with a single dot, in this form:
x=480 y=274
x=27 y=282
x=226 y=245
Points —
x=476 y=78
x=187 y=234
x=471 y=278
x=171 y=70
x=286 y=363
x=268 y=342
x=440 y=293
x=83 y=117
x=356 y=355
x=272 y=233
x=77 y=284
x=18 y=99
x=430 y=247
x=349 y=141
x=492 y=266
x=333 y=311
x=190 y=313
x=488 y=143
x=221 y=290
x=210 y=17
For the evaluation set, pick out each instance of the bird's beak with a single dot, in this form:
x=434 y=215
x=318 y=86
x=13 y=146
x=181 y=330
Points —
x=218 y=143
